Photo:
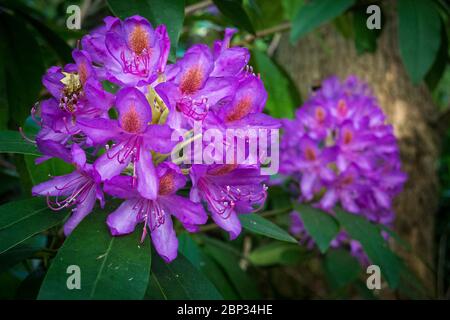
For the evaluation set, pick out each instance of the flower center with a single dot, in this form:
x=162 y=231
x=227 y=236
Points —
x=138 y=40
x=192 y=80
x=342 y=108
x=320 y=114
x=310 y=154
x=348 y=136
x=131 y=121
x=240 y=109
x=71 y=93
x=166 y=184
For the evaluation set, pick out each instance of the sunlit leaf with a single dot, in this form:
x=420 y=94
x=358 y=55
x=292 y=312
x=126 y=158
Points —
x=419 y=36
x=315 y=13
x=259 y=225
x=111 y=267
x=321 y=226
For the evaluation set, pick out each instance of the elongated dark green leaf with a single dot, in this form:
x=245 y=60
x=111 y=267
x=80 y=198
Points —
x=419 y=36
x=373 y=243
x=189 y=248
x=36 y=19
x=4 y=108
x=169 y=13
x=315 y=13
x=365 y=38
x=13 y=142
x=110 y=267
x=41 y=172
x=276 y=253
x=20 y=220
x=243 y=283
x=341 y=268
x=264 y=13
x=178 y=280
x=233 y=10
x=437 y=70
x=257 y=224
x=283 y=97
x=24 y=68
x=21 y=252
x=321 y=226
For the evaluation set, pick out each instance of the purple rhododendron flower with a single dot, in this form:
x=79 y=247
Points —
x=80 y=188
x=120 y=143
x=342 y=152
x=155 y=213
x=228 y=190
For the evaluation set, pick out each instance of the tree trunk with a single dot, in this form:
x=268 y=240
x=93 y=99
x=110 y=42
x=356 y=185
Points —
x=409 y=108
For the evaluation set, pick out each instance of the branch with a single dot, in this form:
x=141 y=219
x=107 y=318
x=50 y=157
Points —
x=196 y=7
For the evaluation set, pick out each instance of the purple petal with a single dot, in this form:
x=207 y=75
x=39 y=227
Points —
x=82 y=210
x=107 y=166
x=190 y=214
x=195 y=67
x=78 y=156
x=121 y=187
x=124 y=219
x=230 y=62
x=231 y=224
x=99 y=130
x=147 y=183
x=58 y=186
x=158 y=138
x=53 y=149
x=134 y=111
x=165 y=240
x=250 y=98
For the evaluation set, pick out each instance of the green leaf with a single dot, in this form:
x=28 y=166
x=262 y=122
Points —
x=233 y=10
x=24 y=68
x=189 y=248
x=4 y=114
x=343 y=24
x=49 y=168
x=373 y=243
x=13 y=142
x=110 y=267
x=264 y=13
x=169 y=13
x=341 y=268
x=21 y=252
x=20 y=220
x=276 y=253
x=316 y=13
x=259 y=225
x=419 y=36
x=291 y=7
x=283 y=96
x=321 y=226
x=178 y=280
x=365 y=38
x=35 y=18
x=437 y=70
x=242 y=282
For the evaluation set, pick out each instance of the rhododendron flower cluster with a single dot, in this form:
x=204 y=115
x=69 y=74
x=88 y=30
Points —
x=341 y=152
x=120 y=143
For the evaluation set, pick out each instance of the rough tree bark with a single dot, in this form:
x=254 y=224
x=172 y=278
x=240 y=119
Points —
x=409 y=108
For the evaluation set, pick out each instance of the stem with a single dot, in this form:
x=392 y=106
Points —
x=266 y=32
x=198 y=6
